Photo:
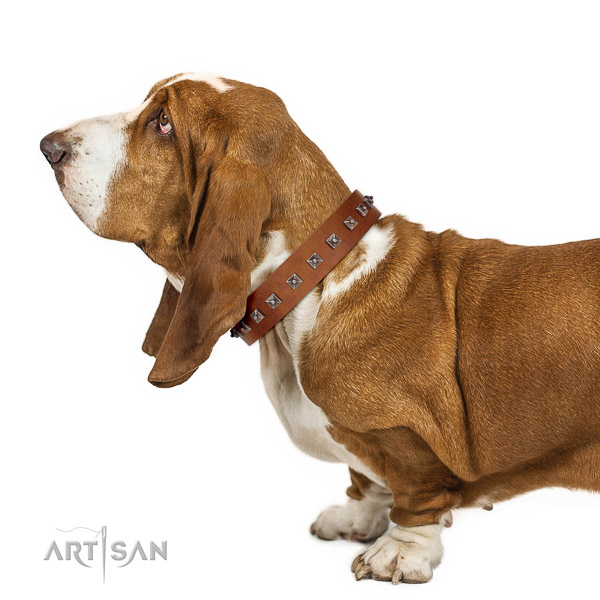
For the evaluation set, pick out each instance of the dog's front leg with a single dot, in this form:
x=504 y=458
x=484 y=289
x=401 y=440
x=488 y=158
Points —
x=364 y=517
x=424 y=492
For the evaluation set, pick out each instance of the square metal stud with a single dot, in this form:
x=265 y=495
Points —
x=362 y=210
x=294 y=281
x=350 y=223
x=245 y=327
x=234 y=333
x=273 y=301
x=257 y=316
x=333 y=240
x=314 y=260
x=368 y=200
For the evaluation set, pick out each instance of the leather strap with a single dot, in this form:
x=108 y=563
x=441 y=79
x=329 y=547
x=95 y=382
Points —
x=306 y=267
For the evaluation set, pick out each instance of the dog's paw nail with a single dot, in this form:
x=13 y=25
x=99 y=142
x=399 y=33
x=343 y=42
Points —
x=363 y=572
x=360 y=568
x=356 y=562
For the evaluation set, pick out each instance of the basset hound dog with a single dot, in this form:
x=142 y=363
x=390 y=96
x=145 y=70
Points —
x=446 y=372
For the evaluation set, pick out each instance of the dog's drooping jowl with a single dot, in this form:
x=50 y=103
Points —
x=444 y=371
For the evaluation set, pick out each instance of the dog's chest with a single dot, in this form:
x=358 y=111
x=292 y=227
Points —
x=306 y=424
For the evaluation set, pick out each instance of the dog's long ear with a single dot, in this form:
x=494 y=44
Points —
x=161 y=321
x=226 y=230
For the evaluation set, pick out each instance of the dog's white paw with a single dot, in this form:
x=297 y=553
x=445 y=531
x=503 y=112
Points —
x=407 y=554
x=361 y=520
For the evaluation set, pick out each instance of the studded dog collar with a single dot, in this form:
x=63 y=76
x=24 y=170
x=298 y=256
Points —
x=306 y=267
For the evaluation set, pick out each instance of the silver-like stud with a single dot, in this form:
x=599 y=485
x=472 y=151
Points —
x=362 y=210
x=333 y=240
x=314 y=260
x=368 y=200
x=350 y=223
x=245 y=327
x=273 y=301
x=257 y=316
x=234 y=333
x=294 y=281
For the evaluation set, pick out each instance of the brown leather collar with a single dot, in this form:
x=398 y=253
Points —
x=306 y=267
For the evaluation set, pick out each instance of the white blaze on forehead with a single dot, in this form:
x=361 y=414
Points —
x=213 y=80
x=98 y=152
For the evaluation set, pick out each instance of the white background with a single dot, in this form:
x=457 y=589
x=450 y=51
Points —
x=481 y=116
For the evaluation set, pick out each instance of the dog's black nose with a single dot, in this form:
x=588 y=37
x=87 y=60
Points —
x=55 y=148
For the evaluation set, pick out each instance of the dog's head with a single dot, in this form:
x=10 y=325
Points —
x=192 y=176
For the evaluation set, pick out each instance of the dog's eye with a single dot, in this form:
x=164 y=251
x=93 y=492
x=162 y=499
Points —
x=164 y=126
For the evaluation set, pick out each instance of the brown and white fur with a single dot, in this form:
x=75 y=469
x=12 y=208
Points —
x=444 y=371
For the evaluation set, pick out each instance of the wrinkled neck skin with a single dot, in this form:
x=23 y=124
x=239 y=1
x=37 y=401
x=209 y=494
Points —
x=302 y=199
x=305 y=191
